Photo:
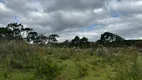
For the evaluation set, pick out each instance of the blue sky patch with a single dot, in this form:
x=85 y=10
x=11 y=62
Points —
x=115 y=14
x=16 y=19
x=1 y=1
x=90 y=27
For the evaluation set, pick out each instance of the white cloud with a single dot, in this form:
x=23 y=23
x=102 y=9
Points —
x=68 y=17
x=98 y=11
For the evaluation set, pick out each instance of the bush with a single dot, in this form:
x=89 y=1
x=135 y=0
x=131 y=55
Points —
x=126 y=66
x=82 y=70
x=103 y=52
x=46 y=69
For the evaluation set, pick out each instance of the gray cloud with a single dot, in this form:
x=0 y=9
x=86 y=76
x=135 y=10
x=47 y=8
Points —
x=69 y=18
x=69 y=5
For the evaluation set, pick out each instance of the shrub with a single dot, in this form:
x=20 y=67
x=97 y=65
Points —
x=82 y=70
x=103 y=52
x=126 y=66
x=46 y=69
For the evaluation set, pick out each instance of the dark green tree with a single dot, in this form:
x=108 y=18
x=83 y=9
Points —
x=66 y=43
x=16 y=29
x=75 y=42
x=83 y=42
x=42 y=39
x=5 y=34
x=27 y=31
x=52 y=38
x=32 y=36
x=109 y=38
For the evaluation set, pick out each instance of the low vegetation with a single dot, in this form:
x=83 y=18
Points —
x=21 y=61
x=40 y=57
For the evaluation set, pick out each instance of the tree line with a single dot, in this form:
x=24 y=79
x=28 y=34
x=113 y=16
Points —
x=16 y=32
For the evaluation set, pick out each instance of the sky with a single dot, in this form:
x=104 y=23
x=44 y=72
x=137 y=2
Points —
x=68 y=18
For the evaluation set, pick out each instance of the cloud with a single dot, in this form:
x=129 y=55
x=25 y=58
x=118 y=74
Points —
x=68 y=18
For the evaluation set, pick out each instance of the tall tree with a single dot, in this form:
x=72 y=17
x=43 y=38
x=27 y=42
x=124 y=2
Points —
x=108 y=37
x=66 y=43
x=26 y=31
x=16 y=28
x=75 y=41
x=84 y=40
x=5 y=34
x=32 y=36
x=52 y=38
x=42 y=39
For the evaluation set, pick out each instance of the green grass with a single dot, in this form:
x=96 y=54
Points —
x=19 y=61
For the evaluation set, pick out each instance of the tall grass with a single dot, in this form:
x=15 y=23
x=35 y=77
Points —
x=20 y=61
x=20 y=56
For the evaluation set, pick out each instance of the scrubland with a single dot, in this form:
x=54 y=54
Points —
x=20 y=61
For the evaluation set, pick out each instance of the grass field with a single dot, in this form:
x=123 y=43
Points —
x=19 y=61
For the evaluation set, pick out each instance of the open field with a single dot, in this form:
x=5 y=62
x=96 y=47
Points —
x=19 y=61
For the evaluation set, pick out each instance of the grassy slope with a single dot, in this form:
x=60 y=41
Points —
x=28 y=62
